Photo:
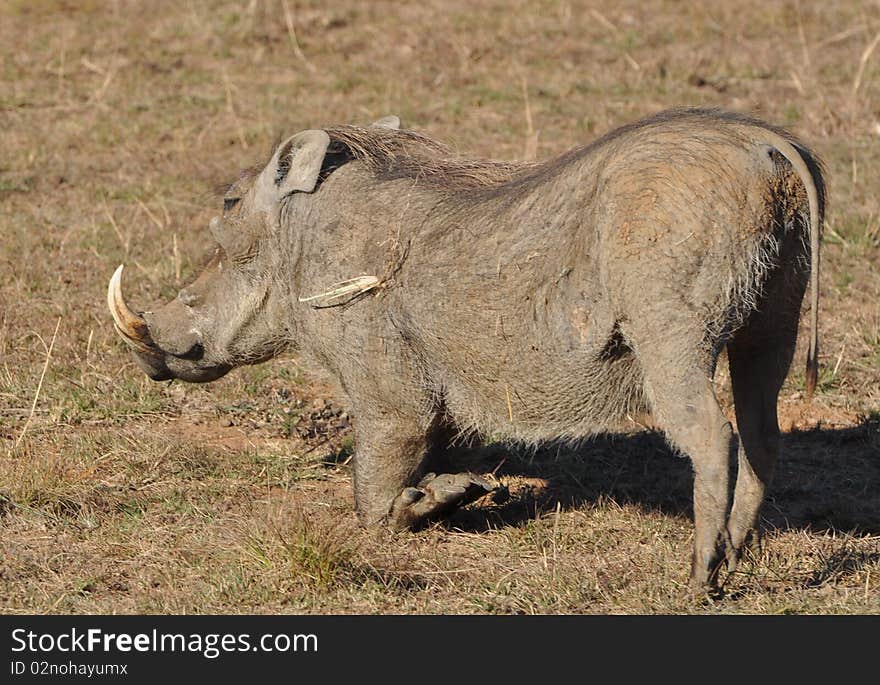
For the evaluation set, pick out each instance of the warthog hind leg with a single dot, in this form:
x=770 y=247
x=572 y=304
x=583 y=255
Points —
x=684 y=405
x=759 y=356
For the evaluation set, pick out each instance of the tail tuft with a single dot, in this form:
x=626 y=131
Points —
x=812 y=374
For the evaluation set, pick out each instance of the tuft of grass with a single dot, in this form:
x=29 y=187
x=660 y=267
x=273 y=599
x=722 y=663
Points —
x=317 y=551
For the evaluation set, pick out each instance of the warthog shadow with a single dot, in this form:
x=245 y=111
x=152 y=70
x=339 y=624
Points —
x=826 y=479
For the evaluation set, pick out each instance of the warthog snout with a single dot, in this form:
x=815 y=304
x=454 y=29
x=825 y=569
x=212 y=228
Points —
x=164 y=344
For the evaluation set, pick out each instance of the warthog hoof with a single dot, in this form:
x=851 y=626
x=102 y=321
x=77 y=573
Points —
x=707 y=566
x=437 y=495
x=751 y=546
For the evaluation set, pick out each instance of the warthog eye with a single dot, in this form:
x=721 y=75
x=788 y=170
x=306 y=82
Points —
x=230 y=202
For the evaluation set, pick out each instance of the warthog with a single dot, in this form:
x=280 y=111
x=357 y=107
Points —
x=527 y=301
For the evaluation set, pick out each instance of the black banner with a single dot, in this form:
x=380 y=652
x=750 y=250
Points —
x=401 y=648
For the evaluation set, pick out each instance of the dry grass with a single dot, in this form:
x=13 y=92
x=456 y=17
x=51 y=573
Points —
x=119 y=495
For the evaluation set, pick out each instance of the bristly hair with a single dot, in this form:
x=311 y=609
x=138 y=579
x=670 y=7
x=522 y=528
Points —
x=393 y=154
x=247 y=173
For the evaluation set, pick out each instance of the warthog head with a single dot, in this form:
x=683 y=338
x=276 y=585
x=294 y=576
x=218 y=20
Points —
x=233 y=313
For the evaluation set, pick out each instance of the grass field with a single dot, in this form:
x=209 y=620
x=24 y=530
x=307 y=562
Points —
x=119 y=120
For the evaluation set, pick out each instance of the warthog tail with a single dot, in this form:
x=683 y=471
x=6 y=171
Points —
x=795 y=157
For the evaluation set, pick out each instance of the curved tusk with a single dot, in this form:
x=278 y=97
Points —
x=131 y=327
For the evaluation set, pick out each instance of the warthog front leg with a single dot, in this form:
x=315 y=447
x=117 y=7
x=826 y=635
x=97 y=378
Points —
x=435 y=497
x=393 y=452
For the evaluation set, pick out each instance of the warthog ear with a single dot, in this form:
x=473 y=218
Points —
x=390 y=121
x=295 y=166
